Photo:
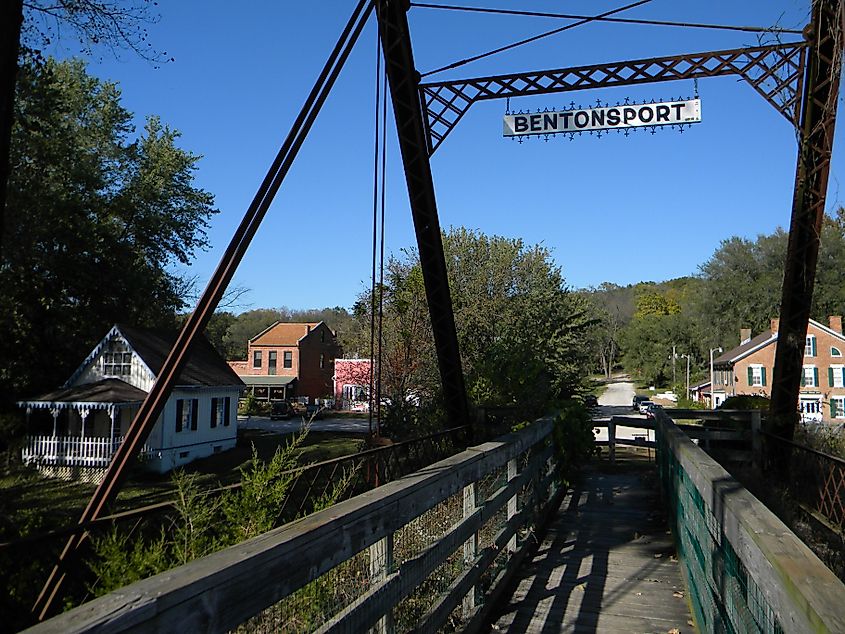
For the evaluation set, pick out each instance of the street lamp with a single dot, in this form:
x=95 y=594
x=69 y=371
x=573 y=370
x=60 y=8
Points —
x=712 y=382
x=687 y=357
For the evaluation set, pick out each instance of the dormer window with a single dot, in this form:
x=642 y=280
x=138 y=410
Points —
x=810 y=346
x=117 y=359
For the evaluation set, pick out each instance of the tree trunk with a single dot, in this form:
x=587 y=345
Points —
x=11 y=18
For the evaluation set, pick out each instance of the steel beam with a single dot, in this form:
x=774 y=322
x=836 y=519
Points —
x=774 y=71
x=818 y=120
x=410 y=126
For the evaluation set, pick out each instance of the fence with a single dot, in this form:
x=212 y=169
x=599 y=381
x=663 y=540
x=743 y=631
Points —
x=72 y=451
x=816 y=481
x=435 y=547
x=746 y=571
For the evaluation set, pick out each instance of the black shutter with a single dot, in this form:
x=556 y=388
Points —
x=194 y=413
x=214 y=412
x=226 y=405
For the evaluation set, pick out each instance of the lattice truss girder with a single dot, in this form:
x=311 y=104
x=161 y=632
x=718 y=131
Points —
x=774 y=71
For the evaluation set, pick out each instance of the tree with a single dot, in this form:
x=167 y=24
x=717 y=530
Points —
x=743 y=279
x=27 y=26
x=96 y=221
x=522 y=333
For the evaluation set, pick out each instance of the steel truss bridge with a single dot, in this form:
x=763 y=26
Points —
x=800 y=79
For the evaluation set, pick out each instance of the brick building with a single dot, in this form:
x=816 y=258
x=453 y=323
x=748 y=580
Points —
x=747 y=369
x=290 y=360
x=352 y=383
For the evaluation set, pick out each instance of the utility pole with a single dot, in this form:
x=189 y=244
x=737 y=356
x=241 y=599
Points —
x=674 y=378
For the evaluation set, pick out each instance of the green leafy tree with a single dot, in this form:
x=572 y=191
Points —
x=522 y=333
x=96 y=220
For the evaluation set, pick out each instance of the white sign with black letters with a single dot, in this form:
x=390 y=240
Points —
x=608 y=118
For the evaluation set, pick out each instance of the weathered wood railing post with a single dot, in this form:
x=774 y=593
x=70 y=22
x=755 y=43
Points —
x=381 y=565
x=470 y=548
x=611 y=439
x=512 y=502
x=756 y=440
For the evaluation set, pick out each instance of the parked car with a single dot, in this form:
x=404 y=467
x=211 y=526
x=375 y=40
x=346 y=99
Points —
x=639 y=398
x=591 y=401
x=644 y=405
x=650 y=411
x=280 y=410
x=314 y=412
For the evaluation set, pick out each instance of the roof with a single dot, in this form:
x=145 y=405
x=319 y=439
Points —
x=104 y=391
x=736 y=353
x=763 y=339
x=265 y=379
x=284 y=333
x=203 y=367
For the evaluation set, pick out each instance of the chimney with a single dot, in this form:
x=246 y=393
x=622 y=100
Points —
x=775 y=324
x=309 y=328
x=744 y=335
x=836 y=323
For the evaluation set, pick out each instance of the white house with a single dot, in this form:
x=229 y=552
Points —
x=75 y=430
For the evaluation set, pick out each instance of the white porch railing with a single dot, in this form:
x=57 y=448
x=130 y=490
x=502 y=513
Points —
x=72 y=451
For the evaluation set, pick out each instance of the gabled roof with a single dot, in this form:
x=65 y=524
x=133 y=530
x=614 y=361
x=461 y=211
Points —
x=106 y=391
x=203 y=367
x=284 y=333
x=764 y=339
x=731 y=356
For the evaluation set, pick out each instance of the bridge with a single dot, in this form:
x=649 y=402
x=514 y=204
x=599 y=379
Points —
x=492 y=539
x=459 y=544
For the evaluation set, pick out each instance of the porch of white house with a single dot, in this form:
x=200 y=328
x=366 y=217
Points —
x=83 y=434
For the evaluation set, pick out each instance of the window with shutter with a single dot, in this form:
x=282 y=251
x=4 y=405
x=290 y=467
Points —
x=179 y=407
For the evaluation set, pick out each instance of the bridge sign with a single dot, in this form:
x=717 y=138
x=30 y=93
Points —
x=607 y=118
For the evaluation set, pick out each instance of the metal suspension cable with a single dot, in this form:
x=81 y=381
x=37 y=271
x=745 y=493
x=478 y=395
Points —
x=154 y=403
x=381 y=254
x=571 y=16
x=529 y=40
x=371 y=402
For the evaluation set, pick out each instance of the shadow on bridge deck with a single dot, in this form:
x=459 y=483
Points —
x=607 y=563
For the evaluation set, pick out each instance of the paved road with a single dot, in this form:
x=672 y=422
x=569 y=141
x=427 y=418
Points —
x=616 y=401
x=294 y=424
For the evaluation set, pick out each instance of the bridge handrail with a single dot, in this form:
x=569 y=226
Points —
x=223 y=590
x=746 y=570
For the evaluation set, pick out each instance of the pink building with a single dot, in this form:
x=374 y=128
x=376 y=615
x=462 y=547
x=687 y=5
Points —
x=351 y=383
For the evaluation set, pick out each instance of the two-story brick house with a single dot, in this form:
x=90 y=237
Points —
x=288 y=360
x=747 y=369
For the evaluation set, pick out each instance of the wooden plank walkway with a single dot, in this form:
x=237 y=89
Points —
x=607 y=563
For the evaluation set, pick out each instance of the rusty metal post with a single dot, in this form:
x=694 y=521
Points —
x=410 y=126
x=818 y=120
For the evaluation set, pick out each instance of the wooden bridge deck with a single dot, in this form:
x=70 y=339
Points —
x=607 y=563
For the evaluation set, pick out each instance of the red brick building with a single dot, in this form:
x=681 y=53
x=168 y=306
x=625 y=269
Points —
x=290 y=360
x=747 y=369
x=352 y=383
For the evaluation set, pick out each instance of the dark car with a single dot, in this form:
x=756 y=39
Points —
x=314 y=412
x=638 y=399
x=591 y=401
x=280 y=410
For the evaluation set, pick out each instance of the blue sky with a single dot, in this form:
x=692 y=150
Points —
x=646 y=207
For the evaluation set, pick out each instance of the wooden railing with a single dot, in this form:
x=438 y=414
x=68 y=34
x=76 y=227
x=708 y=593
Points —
x=71 y=451
x=437 y=546
x=746 y=571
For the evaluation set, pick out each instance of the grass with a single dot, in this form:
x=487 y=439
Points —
x=34 y=504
